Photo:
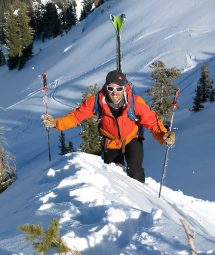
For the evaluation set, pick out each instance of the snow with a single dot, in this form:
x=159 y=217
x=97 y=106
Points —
x=101 y=210
x=78 y=8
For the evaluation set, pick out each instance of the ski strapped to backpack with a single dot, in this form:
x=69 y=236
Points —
x=117 y=23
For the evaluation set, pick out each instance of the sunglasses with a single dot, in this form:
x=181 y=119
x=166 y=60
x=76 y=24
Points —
x=111 y=89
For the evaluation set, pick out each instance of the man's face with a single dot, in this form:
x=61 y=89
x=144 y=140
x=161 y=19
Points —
x=115 y=92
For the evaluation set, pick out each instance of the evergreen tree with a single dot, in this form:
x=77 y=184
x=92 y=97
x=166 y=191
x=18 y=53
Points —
x=71 y=147
x=19 y=36
x=2 y=37
x=197 y=100
x=62 y=16
x=68 y=15
x=7 y=171
x=212 y=96
x=11 y=31
x=4 y=4
x=52 y=23
x=205 y=91
x=2 y=58
x=37 y=20
x=65 y=147
x=5 y=181
x=205 y=83
x=62 y=146
x=87 y=7
x=42 y=240
x=89 y=129
x=163 y=90
x=25 y=35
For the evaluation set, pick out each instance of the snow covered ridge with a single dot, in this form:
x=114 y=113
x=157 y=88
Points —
x=102 y=211
x=110 y=207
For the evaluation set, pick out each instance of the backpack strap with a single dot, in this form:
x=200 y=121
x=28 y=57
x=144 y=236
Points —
x=97 y=108
x=131 y=113
x=133 y=116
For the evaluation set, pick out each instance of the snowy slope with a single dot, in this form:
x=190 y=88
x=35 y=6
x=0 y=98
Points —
x=101 y=210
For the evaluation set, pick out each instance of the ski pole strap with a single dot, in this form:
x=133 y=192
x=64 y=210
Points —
x=45 y=90
x=45 y=85
x=175 y=99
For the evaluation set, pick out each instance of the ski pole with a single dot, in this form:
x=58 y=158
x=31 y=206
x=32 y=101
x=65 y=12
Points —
x=117 y=23
x=45 y=100
x=165 y=164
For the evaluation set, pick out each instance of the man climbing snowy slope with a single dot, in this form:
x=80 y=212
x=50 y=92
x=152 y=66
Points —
x=121 y=134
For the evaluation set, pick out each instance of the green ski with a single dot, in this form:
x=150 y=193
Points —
x=117 y=23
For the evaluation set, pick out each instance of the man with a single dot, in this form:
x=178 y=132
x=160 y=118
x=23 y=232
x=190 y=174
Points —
x=121 y=138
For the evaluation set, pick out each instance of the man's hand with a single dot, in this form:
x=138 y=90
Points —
x=169 y=138
x=48 y=121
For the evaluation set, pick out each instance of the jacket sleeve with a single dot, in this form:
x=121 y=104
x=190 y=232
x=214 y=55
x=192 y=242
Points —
x=149 y=119
x=75 y=117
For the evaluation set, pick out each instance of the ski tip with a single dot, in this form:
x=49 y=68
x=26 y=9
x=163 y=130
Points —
x=111 y=17
x=123 y=16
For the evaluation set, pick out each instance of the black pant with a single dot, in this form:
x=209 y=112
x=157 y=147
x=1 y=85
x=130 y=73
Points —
x=133 y=157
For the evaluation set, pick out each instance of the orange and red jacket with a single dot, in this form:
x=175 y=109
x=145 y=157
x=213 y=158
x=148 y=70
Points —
x=120 y=131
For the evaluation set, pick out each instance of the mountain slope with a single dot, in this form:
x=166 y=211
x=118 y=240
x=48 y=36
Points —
x=102 y=211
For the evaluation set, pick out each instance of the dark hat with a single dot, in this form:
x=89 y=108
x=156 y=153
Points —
x=117 y=77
